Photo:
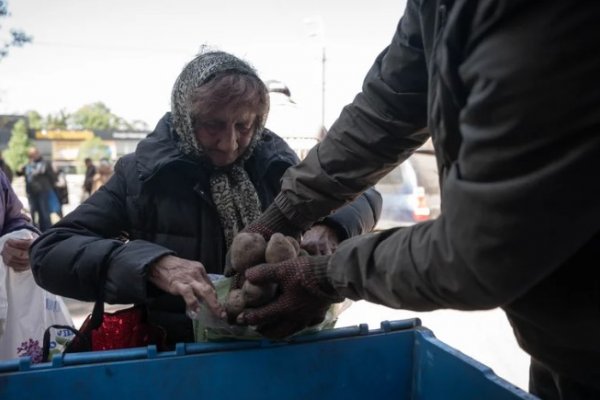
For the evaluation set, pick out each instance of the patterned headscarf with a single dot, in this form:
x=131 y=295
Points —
x=232 y=191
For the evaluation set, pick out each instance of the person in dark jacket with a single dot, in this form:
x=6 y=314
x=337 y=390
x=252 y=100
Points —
x=207 y=170
x=505 y=90
x=88 y=179
x=39 y=185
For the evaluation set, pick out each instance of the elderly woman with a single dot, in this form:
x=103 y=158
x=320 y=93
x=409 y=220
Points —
x=165 y=219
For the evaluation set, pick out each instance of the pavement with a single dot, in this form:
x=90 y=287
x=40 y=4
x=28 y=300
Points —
x=485 y=336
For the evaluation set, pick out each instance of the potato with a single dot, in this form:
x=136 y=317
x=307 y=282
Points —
x=279 y=249
x=247 y=250
x=294 y=243
x=235 y=303
x=257 y=295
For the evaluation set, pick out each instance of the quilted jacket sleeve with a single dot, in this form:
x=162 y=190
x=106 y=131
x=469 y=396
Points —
x=70 y=258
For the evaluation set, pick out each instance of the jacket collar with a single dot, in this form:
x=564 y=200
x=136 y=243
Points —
x=157 y=150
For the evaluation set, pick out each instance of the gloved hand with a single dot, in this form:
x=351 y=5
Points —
x=304 y=295
x=270 y=221
x=320 y=240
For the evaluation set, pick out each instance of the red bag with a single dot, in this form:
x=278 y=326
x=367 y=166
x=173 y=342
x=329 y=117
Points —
x=118 y=330
x=101 y=330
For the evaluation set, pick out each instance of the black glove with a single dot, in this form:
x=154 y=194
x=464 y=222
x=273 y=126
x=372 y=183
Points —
x=304 y=295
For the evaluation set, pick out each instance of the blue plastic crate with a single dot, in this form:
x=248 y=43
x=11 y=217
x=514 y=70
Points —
x=400 y=360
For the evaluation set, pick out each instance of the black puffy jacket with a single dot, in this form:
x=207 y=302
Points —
x=158 y=202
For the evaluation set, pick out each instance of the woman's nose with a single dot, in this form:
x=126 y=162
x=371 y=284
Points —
x=228 y=140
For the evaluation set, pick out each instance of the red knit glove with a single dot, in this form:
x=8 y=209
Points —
x=304 y=295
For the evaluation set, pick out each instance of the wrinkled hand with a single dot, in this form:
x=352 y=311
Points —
x=15 y=254
x=304 y=296
x=320 y=240
x=187 y=279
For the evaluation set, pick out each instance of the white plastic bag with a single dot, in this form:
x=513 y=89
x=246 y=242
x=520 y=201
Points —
x=28 y=311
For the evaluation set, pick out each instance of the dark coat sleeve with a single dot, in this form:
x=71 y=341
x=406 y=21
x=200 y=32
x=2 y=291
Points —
x=69 y=258
x=357 y=217
x=517 y=203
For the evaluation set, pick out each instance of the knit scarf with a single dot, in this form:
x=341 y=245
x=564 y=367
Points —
x=235 y=198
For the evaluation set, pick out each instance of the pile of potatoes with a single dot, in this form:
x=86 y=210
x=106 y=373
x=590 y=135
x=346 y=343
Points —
x=248 y=250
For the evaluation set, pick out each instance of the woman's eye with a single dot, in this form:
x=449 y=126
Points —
x=243 y=128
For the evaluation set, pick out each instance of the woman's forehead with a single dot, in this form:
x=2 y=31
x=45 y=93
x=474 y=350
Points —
x=231 y=112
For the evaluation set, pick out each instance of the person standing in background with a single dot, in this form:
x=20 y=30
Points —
x=88 y=181
x=104 y=172
x=39 y=185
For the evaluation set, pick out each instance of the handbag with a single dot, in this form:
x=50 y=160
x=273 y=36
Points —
x=122 y=329
x=102 y=330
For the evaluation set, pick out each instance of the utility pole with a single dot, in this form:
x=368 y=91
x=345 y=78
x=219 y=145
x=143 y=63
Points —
x=315 y=29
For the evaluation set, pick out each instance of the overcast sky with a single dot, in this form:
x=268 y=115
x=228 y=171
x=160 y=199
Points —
x=128 y=53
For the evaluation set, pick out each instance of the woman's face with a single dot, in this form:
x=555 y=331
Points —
x=225 y=134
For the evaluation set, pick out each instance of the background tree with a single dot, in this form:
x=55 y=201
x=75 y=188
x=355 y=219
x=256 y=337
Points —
x=17 y=38
x=16 y=153
x=59 y=120
x=36 y=121
x=96 y=116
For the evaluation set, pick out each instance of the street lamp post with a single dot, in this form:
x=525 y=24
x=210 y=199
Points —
x=315 y=29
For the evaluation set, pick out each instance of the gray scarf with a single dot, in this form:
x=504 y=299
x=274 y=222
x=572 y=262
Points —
x=232 y=191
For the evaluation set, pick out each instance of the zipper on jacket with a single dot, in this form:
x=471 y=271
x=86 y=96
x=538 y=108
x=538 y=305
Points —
x=208 y=199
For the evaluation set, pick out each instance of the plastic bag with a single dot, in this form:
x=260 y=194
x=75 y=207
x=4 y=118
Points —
x=28 y=311
x=208 y=327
